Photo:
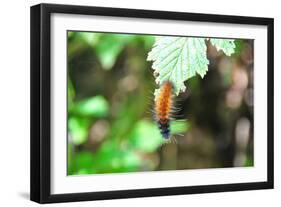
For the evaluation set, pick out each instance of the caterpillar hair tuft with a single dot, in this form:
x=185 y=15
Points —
x=163 y=108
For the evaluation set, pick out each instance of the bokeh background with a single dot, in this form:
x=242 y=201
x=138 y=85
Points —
x=110 y=98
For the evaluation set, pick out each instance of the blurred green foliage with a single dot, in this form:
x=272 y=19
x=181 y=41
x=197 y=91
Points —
x=131 y=133
x=110 y=96
x=108 y=46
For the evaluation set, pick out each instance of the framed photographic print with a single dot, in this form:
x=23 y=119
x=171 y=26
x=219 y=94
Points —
x=133 y=103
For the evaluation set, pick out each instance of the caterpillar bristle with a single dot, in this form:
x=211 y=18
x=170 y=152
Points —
x=181 y=120
x=164 y=108
x=177 y=116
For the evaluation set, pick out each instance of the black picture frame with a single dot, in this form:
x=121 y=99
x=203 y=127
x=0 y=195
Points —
x=41 y=98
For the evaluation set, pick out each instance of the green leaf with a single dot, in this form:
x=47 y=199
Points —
x=109 y=47
x=113 y=158
x=96 y=106
x=226 y=45
x=249 y=162
x=179 y=126
x=84 y=162
x=91 y=38
x=176 y=59
x=145 y=137
x=78 y=128
x=70 y=34
x=239 y=45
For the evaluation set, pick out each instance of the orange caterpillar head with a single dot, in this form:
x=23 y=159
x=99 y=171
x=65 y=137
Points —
x=163 y=108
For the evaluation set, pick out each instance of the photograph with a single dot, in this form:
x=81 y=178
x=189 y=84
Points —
x=129 y=103
x=151 y=102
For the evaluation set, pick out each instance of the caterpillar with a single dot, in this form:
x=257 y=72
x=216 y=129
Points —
x=163 y=108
